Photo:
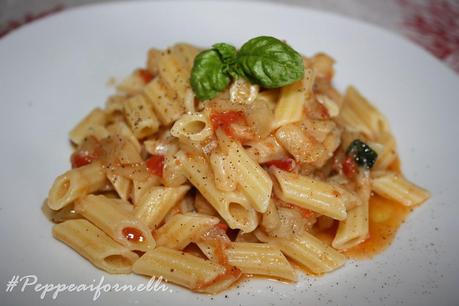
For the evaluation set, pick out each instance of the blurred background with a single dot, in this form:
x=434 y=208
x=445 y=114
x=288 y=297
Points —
x=432 y=24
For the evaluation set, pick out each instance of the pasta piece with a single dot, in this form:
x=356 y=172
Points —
x=388 y=154
x=354 y=229
x=92 y=124
x=233 y=207
x=120 y=129
x=186 y=205
x=195 y=127
x=111 y=216
x=140 y=117
x=251 y=177
x=172 y=172
x=246 y=237
x=61 y=215
x=323 y=66
x=185 y=54
x=140 y=187
x=121 y=184
x=76 y=183
x=305 y=148
x=266 y=150
x=132 y=85
x=291 y=101
x=293 y=220
x=166 y=107
x=186 y=270
x=308 y=251
x=393 y=186
x=331 y=106
x=243 y=92
x=309 y=193
x=204 y=207
x=182 y=229
x=253 y=258
x=115 y=104
x=359 y=114
x=225 y=177
x=153 y=57
x=93 y=244
x=174 y=75
x=270 y=219
x=153 y=206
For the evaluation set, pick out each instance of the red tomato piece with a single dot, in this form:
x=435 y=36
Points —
x=145 y=75
x=80 y=159
x=286 y=164
x=222 y=226
x=224 y=120
x=155 y=165
x=350 y=168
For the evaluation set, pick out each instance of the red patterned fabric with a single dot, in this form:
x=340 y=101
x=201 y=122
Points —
x=14 y=24
x=435 y=26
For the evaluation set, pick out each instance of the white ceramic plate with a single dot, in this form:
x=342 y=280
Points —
x=55 y=70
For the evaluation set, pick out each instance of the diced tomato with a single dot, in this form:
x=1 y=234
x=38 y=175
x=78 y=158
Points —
x=155 y=165
x=80 y=159
x=145 y=75
x=222 y=226
x=350 y=168
x=224 y=120
x=87 y=152
x=286 y=164
x=133 y=234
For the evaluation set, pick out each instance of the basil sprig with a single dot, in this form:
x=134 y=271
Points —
x=263 y=60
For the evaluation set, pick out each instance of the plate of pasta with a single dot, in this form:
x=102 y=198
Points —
x=305 y=160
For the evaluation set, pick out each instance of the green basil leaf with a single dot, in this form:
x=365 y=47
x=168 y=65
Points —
x=362 y=153
x=227 y=52
x=269 y=62
x=208 y=77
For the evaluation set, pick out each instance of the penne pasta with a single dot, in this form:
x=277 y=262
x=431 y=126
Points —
x=308 y=251
x=234 y=208
x=290 y=106
x=251 y=177
x=76 y=183
x=253 y=258
x=195 y=127
x=186 y=270
x=358 y=114
x=93 y=244
x=140 y=117
x=182 y=229
x=395 y=187
x=153 y=206
x=91 y=125
x=163 y=101
x=310 y=193
x=112 y=216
